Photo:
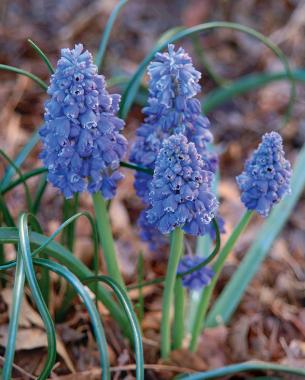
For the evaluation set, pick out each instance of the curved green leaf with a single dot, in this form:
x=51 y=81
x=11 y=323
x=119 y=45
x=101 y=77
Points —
x=65 y=257
x=132 y=88
x=93 y=313
x=36 y=294
x=34 y=78
x=124 y=300
x=42 y=55
x=14 y=319
x=244 y=367
x=104 y=41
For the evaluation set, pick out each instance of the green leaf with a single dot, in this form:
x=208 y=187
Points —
x=93 y=313
x=243 y=85
x=244 y=367
x=230 y=297
x=104 y=41
x=66 y=258
x=24 y=152
x=42 y=55
x=14 y=319
x=36 y=294
x=132 y=318
x=133 y=86
x=34 y=78
x=21 y=178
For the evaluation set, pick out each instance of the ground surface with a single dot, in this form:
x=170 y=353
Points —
x=270 y=322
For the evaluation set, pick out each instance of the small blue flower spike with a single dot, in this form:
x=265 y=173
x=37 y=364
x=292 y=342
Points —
x=82 y=144
x=197 y=279
x=267 y=174
x=181 y=193
x=172 y=108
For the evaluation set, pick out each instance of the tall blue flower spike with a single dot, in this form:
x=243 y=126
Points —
x=197 y=279
x=267 y=174
x=172 y=108
x=181 y=193
x=82 y=144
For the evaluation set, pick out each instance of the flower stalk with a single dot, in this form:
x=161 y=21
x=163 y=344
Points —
x=106 y=238
x=178 y=328
x=217 y=267
x=176 y=248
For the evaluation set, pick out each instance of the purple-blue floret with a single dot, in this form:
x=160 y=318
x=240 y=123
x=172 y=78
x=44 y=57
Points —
x=197 y=279
x=180 y=192
x=266 y=177
x=82 y=144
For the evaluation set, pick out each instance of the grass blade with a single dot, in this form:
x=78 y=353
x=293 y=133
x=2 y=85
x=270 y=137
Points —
x=133 y=86
x=14 y=318
x=132 y=318
x=230 y=297
x=42 y=185
x=243 y=85
x=66 y=258
x=34 y=78
x=21 y=178
x=104 y=41
x=93 y=313
x=42 y=55
x=244 y=367
x=25 y=151
x=37 y=295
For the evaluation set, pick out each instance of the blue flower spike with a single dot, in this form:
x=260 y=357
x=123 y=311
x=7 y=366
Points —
x=198 y=279
x=172 y=108
x=266 y=177
x=82 y=144
x=181 y=193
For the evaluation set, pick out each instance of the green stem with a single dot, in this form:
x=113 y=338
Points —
x=178 y=328
x=176 y=248
x=217 y=267
x=106 y=238
x=243 y=367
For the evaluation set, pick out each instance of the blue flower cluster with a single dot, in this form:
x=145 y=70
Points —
x=266 y=178
x=197 y=279
x=172 y=108
x=180 y=194
x=82 y=144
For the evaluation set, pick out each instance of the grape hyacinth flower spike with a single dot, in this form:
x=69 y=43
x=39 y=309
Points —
x=82 y=144
x=181 y=193
x=172 y=108
x=267 y=174
x=198 y=279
